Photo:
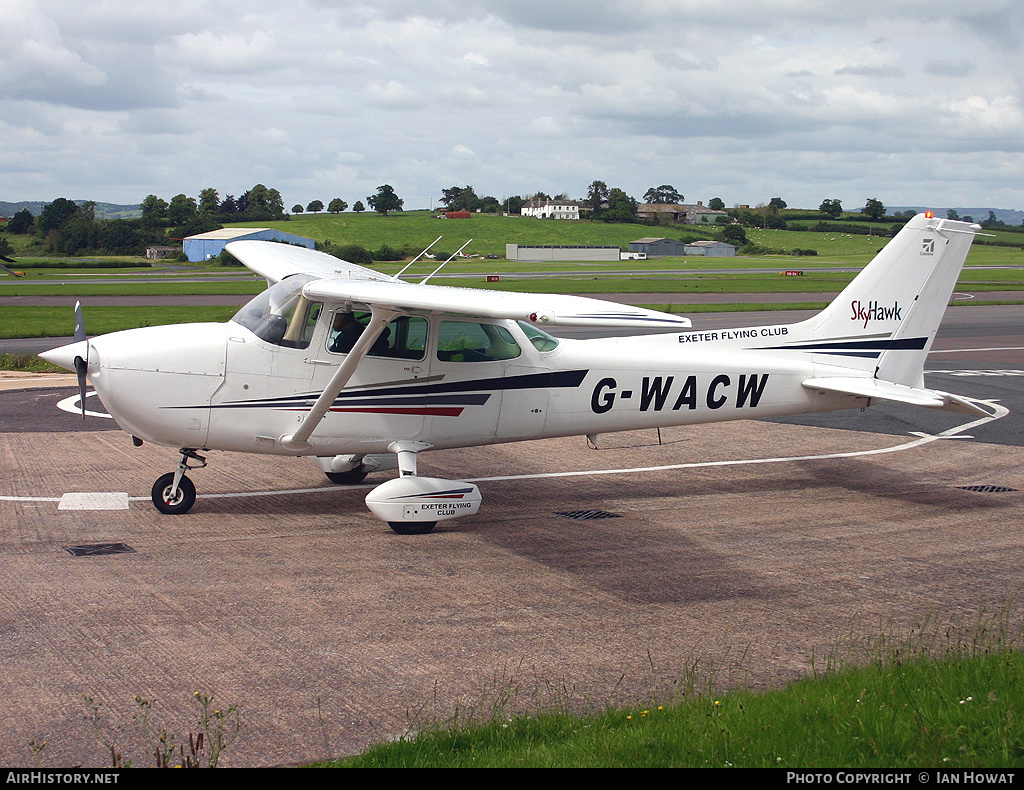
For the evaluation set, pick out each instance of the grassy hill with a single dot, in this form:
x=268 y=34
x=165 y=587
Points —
x=103 y=210
x=490 y=232
x=414 y=230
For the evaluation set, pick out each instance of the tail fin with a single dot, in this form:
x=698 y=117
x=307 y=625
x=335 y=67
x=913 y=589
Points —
x=886 y=319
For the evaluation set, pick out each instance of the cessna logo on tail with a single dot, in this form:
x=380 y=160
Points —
x=873 y=311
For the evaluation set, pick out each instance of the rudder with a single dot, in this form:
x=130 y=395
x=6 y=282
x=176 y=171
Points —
x=886 y=319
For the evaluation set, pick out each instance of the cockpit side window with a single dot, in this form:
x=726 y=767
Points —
x=465 y=341
x=404 y=338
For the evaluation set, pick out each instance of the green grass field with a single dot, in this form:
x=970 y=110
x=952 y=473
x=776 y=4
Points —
x=415 y=230
x=19 y=322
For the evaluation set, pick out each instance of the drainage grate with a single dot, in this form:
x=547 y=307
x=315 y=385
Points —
x=987 y=489
x=587 y=515
x=95 y=549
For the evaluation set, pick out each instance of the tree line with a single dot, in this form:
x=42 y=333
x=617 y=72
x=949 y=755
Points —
x=68 y=228
x=65 y=227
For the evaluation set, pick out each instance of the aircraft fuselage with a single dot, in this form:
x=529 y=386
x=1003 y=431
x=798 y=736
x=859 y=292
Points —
x=219 y=386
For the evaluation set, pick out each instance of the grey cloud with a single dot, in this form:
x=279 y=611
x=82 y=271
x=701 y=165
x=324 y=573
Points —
x=950 y=68
x=1002 y=25
x=870 y=71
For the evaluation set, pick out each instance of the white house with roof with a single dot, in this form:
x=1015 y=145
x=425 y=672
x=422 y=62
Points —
x=553 y=209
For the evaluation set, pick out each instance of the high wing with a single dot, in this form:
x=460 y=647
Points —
x=348 y=283
x=275 y=261
x=340 y=282
x=542 y=309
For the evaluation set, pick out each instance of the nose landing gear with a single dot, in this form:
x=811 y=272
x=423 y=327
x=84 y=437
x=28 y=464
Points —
x=173 y=493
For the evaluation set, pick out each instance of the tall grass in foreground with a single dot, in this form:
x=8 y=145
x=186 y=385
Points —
x=934 y=700
x=27 y=362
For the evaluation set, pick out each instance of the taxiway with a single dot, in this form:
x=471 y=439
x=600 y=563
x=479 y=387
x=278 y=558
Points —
x=753 y=547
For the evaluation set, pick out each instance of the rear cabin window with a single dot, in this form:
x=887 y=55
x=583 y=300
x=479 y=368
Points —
x=465 y=341
x=403 y=338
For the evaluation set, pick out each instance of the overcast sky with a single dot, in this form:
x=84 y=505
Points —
x=913 y=102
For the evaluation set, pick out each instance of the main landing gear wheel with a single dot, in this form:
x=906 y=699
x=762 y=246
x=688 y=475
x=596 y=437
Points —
x=182 y=500
x=349 y=478
x=412 y=527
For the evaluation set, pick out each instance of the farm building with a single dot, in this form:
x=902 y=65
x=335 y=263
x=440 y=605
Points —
x=204 y=246
x=686 y=213
x=158 y=253
x=712 y=249
x=658 y=247
x=662 y=247
x=555 y=252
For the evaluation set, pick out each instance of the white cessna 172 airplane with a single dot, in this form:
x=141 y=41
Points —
x=360 y=371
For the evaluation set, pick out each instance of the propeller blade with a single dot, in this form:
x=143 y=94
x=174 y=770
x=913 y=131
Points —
x=81 y=365
x=79 y=323
x=81 y=368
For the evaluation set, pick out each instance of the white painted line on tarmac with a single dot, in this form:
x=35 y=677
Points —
x=73 y=405
x=967 y=350
x=94 y=500
x=952 y=433
x=998 y=412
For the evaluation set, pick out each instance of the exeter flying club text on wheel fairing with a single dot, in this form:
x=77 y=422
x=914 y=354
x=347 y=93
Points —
x=360 y=371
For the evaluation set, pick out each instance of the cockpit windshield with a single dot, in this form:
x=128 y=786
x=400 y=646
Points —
x=281 y=314
x=542 y=341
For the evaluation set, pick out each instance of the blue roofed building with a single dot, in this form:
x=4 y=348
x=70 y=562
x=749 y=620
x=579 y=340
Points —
x=204 y=246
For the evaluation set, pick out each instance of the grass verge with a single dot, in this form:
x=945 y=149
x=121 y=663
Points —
x=22 y=322
x=933 y=700
x=29 y=363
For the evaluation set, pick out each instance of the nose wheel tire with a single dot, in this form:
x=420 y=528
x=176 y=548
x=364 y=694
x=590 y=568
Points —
x=412 y=527
x=180 y=502
x=349 y=478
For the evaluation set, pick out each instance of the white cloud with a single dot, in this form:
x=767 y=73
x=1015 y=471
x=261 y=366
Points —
x=227 y=53
x=803 y=98
x=393 y=95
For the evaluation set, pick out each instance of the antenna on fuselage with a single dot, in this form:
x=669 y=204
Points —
x=460 y=249
x=435 y=241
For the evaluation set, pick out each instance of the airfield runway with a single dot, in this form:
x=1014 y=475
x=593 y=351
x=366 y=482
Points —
x=753 y=548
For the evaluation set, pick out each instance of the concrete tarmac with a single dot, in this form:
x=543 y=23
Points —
x=751 y=549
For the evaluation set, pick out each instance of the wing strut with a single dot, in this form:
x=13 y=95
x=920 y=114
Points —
x=379 y=319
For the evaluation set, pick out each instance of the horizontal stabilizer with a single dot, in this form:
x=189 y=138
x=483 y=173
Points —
x=900 y=393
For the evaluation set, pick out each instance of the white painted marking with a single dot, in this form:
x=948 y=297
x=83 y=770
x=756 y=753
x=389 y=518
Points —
x=95 y=500
x=998 y=412
x=73 y=405
x=27 y=381
x=968 y=350
x=988 y=372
